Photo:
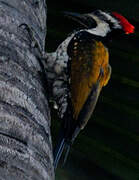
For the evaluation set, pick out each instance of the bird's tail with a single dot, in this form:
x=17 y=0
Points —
x=68 y=133
x=62 y=147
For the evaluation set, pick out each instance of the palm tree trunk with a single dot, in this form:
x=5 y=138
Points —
x=25 y=139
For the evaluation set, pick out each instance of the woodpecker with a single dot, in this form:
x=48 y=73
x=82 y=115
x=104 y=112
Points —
x=78 y=70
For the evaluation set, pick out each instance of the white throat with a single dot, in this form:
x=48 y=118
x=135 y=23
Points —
x=101 y=30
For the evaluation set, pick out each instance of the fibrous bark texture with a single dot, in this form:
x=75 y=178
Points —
x=25 y=141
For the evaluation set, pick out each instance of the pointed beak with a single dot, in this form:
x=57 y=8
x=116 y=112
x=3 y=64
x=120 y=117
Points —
x=72 y=14
x=83 y=19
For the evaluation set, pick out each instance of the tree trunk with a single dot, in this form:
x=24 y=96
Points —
x=25 y=140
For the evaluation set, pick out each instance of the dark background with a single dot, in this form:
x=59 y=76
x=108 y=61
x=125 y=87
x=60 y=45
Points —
x=108 y=148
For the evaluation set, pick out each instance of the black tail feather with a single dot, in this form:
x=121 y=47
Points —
x=62 y=147
x=68 y=133
x=58 y=152
x=68 y=146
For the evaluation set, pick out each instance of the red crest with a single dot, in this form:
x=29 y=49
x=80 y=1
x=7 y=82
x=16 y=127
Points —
x=127 y=27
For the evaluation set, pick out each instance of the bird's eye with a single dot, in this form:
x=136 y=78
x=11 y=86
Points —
x=90 y=22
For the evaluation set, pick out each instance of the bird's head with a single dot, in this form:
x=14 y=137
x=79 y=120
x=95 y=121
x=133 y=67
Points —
x=101 y=23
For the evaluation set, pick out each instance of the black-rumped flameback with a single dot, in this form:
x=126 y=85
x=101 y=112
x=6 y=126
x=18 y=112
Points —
x=78 y=70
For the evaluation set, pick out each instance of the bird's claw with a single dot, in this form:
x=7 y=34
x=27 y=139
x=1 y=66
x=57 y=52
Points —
x=30 y=33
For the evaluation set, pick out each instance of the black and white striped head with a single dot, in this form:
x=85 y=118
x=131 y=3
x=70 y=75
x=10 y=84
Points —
x=101 y=23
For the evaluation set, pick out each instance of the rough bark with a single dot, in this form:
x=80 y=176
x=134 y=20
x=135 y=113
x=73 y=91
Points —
x=25 y=140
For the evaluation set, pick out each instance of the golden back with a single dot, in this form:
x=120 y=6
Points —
x=85 y=72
